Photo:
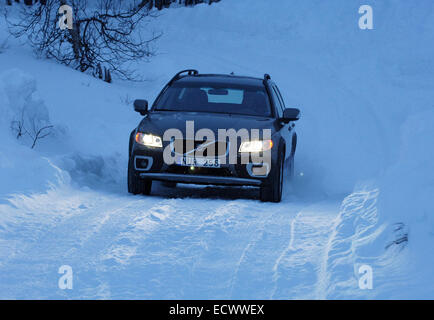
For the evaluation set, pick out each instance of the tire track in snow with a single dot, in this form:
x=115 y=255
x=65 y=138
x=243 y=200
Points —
x=355 y=226
x=72 y=230
x=294 y=270
x=257 y=270
x=290 y=246
x=255 y=238
x=122 y=246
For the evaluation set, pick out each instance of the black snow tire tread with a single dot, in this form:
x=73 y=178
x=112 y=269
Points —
x=135 y=184
x=272 y=192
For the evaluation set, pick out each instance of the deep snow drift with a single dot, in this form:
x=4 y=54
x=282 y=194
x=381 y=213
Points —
x=364 y=140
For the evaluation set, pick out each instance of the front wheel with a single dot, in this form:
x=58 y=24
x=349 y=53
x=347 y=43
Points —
x=291 y=167
x=272 y=192
x=135 y=184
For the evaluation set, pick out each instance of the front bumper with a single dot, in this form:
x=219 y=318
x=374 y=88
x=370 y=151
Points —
x=201 y=179
x=228 y=174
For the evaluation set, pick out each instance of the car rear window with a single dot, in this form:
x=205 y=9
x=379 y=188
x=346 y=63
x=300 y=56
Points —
x=215 y=98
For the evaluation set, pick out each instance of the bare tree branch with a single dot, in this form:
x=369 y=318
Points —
x=107 y=33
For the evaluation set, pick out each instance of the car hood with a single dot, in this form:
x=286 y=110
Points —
x=160 y=121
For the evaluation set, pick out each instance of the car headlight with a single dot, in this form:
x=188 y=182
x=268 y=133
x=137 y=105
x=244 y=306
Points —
x=256 y=146
x=149 y=140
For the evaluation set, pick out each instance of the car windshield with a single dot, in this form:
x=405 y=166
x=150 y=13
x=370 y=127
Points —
x=215 y=98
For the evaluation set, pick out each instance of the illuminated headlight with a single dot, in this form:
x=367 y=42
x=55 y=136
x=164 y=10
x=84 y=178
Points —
x=256 y=146
x=149 y=140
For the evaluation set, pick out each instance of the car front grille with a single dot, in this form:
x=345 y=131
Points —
x=204 y=148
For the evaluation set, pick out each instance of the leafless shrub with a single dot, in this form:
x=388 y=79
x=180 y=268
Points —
x=106 y=33
x=17 y=126
x=161 y=4
x=36 y=129
x=127 y=100
x=37 y=133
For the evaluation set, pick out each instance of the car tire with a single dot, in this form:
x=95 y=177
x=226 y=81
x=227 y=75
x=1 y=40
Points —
x=291 y=167
x=147 y=186
x=136 y=185
x=272 y=191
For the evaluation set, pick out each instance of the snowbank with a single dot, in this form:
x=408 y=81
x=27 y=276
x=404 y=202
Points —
x=21 y=113
x=407 y=195
x=409 y=184
x=82 y=144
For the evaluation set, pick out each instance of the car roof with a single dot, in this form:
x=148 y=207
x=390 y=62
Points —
x=221 y=79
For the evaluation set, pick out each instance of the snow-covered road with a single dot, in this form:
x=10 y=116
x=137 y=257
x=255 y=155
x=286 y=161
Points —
x=192 y=245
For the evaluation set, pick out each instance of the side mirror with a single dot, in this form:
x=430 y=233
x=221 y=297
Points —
x=291 y=114
x=141 y=106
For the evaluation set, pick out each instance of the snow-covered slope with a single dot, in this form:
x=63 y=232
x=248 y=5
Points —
x=364 y=141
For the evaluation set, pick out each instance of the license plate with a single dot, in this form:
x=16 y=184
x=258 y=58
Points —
x=198 y=162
